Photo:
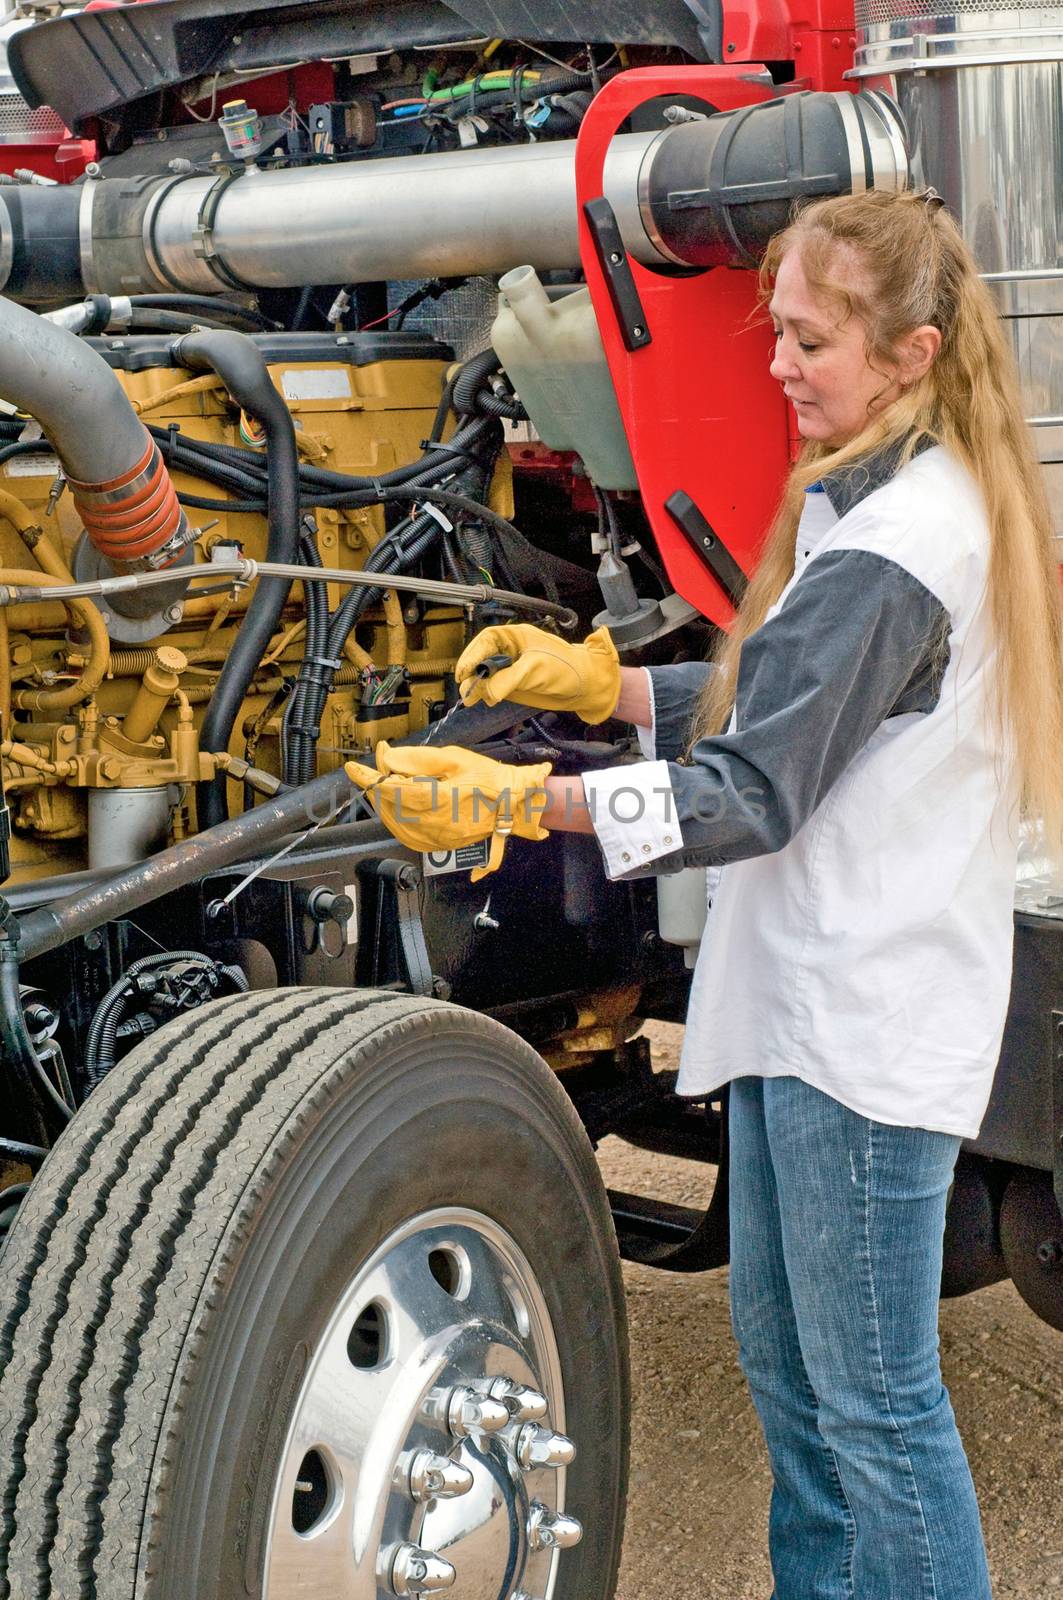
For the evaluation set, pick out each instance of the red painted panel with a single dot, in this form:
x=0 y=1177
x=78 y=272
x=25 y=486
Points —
x=701 y=412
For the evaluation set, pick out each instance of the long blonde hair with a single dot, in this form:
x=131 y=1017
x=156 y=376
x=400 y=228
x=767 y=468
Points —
x=917 y=270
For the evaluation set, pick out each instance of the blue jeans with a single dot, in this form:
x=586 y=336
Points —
x=836 y=1229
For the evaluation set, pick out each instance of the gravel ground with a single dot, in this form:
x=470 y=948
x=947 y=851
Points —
x=697 y=1511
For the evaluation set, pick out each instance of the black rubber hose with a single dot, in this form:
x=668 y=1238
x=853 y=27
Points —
x=40 y=446
x=242 y=367
x=470 y=380
x=156 y=319
x=492 y=405
x=185 y=451
x=100 y=1041
x=30 y=1155
x=446 y=401
x=301 y=738
x=390 y=555
x=210 y=305
x=48 y=927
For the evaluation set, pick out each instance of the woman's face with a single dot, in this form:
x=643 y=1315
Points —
x=821 y=362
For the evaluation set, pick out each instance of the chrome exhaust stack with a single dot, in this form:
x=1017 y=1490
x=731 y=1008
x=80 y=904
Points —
x=980 y=88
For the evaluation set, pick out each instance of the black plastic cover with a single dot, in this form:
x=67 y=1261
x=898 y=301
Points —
x=140 y=352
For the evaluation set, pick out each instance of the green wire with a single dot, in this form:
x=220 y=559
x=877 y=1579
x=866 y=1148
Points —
x=489 y=80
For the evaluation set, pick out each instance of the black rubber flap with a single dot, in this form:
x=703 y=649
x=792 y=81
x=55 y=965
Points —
x=101 y=61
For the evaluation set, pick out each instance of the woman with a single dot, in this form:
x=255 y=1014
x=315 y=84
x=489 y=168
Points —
x=888 y=701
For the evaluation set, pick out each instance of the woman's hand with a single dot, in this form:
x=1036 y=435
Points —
x=439 y=798
x=546 y=673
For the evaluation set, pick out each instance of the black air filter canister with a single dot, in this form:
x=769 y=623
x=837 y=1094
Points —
x=712 y=192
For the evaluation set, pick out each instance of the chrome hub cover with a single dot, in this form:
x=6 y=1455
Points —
x=426 y=1452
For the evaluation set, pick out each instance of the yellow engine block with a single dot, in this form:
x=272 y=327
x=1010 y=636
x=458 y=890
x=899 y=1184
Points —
x=100 y=737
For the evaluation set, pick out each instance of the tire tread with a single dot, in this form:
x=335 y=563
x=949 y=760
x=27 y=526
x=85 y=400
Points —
x=115 y=1262
x=89 y=1260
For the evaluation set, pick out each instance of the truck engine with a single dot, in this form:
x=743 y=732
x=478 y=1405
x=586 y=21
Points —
x=346 y=335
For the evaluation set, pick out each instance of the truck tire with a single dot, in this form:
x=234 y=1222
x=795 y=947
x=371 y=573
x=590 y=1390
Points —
x=297 y=1245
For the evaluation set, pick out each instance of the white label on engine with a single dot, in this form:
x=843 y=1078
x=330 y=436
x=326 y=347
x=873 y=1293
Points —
x=463 y=859
x=323 y=383
x=32 y=466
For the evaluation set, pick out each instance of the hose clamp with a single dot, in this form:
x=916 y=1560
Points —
x=203 y=246
x=183 y=535
x=125 y=490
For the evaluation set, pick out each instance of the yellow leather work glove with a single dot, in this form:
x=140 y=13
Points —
x=437 y=798
x=547 y=672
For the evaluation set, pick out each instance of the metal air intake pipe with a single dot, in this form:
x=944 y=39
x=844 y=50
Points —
x=120 y=486
x=700 y=194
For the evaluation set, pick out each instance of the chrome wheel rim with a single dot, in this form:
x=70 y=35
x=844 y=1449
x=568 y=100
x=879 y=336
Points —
x=426 y=1450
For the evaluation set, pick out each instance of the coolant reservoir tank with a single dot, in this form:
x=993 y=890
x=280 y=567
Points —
x=682 y=909
x=552 y=353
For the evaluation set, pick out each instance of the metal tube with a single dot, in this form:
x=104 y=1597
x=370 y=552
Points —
x=73 y=394
x=443 y=215
x=308 y=806
x=245 y=571
x=459 y=212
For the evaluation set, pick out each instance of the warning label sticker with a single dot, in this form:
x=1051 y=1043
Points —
x=464 y=859
x=32 y=466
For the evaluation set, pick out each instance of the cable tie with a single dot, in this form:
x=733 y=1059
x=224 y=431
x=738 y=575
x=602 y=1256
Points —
x=434 y=511
x=325 y=661
x=447 y=449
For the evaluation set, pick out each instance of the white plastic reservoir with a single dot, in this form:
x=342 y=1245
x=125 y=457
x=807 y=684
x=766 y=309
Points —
x=552 y=353
x=683 y=908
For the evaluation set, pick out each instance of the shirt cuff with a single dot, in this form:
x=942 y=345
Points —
x=634 y=815
x=647 y=737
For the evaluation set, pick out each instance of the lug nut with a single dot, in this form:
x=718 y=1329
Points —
x=432 y=1477
x=539 y=1447
x=549 y=1529
x=415 y=1571
x=468 y=1412
x=523 y=1404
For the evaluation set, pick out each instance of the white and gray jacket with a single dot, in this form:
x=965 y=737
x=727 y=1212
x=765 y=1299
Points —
x=865 y=809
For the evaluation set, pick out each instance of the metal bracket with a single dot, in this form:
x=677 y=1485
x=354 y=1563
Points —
x=676 y=1237
x=707 y=544
x=404 y=880
x=612 y=256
